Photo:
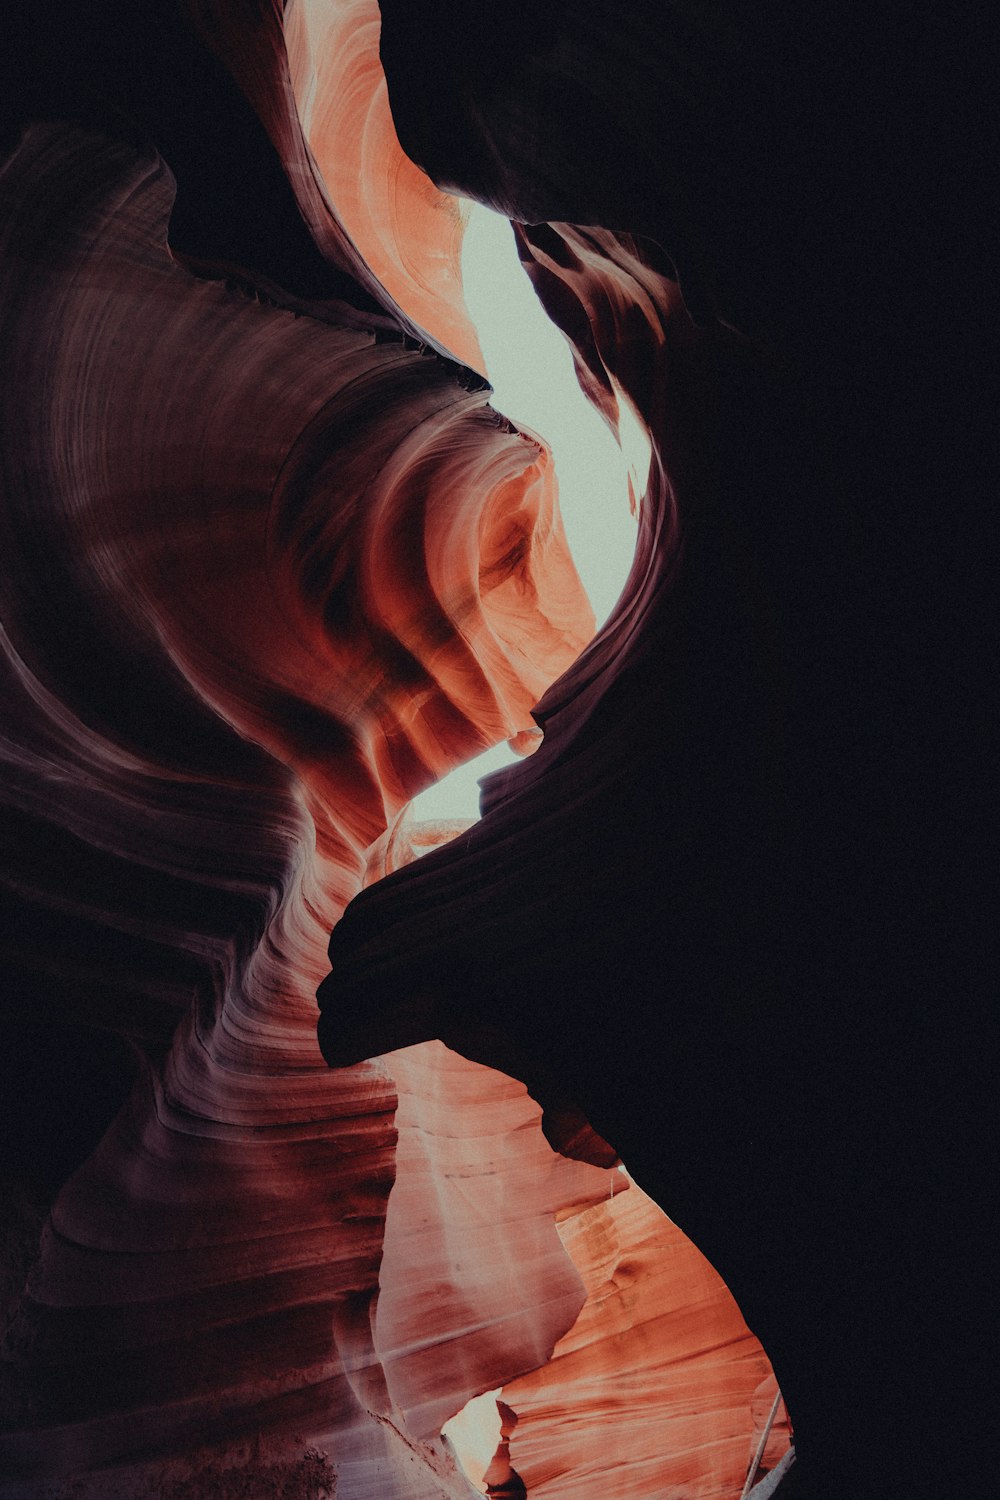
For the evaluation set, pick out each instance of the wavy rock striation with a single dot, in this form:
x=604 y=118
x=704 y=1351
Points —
x=409 y=232
x=270 y=565
x=648 y=1393
x=269 y=568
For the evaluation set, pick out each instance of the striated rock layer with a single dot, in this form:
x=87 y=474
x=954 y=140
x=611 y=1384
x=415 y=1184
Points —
x=269 y=567
x=648 y=1393
x=409 y=232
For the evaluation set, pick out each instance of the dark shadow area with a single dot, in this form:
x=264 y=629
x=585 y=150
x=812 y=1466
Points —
x=140 y=74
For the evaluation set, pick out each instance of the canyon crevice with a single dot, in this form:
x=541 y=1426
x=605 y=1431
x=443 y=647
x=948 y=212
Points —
x=271 y=565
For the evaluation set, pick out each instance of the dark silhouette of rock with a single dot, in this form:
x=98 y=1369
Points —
x=734 y=908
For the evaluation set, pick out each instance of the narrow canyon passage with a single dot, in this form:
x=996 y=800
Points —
x=696 y=1377
x=270 y=566
x=273 y=563
x=529 y=366
x=600 y=488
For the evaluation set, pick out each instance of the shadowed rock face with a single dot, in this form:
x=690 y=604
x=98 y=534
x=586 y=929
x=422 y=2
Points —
x=732 y=906
x=270 y=565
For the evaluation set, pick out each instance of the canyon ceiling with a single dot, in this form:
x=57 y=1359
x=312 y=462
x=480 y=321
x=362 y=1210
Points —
x=270 y=564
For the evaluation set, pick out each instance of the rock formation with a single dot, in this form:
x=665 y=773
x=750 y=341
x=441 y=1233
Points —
x=409 y=233
x=271 y=564
x=648 y=1393
x=734 y=903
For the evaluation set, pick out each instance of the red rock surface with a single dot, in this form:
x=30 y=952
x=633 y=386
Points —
x=265 y=576
x=270 y=565
x=472 y=1278
x=649 y=1392
x=409 y=232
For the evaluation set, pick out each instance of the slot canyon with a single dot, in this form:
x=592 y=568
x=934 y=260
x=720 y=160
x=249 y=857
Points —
x=628 y=1141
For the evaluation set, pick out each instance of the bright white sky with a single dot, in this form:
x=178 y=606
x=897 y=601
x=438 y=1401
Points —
x=530 y=367
x=475 y=1435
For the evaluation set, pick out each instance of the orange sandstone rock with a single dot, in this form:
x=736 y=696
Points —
x=409 y=232
x=654 y=1389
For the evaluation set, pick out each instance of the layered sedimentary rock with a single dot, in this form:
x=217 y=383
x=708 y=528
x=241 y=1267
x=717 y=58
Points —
x=648 y=1393
x=269 y=568
x=270 y=565
x=409 y=232
x=469 y=1239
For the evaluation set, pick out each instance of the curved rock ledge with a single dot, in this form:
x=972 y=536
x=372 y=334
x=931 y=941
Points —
x=409 y=232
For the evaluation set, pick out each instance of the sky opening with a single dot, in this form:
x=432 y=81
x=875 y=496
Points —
x=530 y=367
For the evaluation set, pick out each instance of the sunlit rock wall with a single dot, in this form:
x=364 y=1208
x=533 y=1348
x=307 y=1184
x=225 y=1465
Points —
x=409 y=232
x=648 y=1393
